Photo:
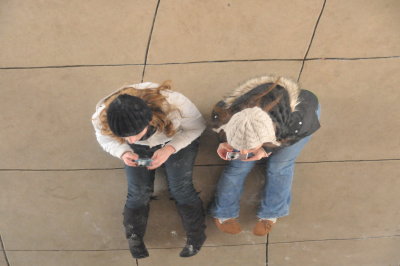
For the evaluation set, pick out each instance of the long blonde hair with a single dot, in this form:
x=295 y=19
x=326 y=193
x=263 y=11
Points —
x=154 y=99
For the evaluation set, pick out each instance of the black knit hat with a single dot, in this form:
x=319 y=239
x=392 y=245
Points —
x=128 y=115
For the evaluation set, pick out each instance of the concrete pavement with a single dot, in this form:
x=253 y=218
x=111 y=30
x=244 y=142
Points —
x=61 y=196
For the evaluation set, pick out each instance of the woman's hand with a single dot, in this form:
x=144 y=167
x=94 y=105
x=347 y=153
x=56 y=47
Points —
x=258 y=155
x=223 y=148
x=161 y=156
x=129 y=158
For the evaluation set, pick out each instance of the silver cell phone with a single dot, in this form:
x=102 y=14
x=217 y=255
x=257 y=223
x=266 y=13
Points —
x=235 y=155
x=143 y=162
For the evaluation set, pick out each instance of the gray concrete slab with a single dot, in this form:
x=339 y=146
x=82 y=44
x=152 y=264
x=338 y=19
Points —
x=62 y=210
x=384 y=251
x=342 y=200
x=342 y=213
x=358 y=29
x=206 y=84
x=231 y=255
x=226 y=30
x=46 y=116
x=3 y=261
x=83 y=210
x=68 y=258
x=359 y=109
x=49 y=33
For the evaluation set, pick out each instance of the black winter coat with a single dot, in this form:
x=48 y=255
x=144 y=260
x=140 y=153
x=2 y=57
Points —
x=292 y=110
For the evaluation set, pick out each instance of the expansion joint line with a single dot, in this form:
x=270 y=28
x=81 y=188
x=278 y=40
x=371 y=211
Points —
x=196 y=165
x=311 y=41
x=4 y=251
x=212 y=62
x=266 y=250
x=149 y=41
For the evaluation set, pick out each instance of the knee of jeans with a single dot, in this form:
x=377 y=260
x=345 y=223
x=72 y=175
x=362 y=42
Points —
x=238 y=167
x=280 y=168
x=139 y=198
x=184 y=192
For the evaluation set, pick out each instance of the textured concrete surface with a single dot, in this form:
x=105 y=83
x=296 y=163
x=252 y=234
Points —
x=348 y=198
x=383 y=251
x=359 y=103
x=65 y=210
x=231 y=30
x=53 y=33
x=3 y=261
x=61 y=196
x=250 y=255
x=67 y=258
x=358 y=29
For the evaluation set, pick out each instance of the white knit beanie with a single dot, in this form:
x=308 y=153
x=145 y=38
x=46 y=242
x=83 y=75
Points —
x=249 y=128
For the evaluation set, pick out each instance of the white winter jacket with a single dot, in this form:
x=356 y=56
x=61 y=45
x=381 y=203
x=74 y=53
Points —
x=188 y=123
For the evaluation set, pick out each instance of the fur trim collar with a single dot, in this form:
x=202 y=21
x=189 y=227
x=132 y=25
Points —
x=291 y=86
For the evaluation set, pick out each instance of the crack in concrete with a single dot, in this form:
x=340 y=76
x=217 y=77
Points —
x=212 y=61
x=213 y=246
x=196 y=165
x=266 y=250
x=334 y=239
x=149 y=41
x=4 y=251
x=311 y=41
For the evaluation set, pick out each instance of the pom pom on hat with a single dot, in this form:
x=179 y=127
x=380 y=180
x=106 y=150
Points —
x=249 y=129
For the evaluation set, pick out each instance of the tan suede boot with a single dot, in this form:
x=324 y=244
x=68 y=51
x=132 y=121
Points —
x=230 y=226
x=263 y=227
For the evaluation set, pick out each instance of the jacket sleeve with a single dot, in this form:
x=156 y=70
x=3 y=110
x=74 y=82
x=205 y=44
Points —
x=109 y=144
x=222 y=137
x=191 y=125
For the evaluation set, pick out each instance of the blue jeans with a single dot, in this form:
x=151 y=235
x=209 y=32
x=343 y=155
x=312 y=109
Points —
x=276 y=194
x=179 y=170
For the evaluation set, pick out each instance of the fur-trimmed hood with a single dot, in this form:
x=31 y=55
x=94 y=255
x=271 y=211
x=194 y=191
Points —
x=291 y=86
x=293 y=111
x=279 y=91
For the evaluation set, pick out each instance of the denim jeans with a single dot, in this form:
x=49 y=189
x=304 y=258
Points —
x=179 y=170
x=276 y=194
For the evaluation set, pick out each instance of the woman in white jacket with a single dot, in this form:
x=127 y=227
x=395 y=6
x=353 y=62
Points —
x=148 y=125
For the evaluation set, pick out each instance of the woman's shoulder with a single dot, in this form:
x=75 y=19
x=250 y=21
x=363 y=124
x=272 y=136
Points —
x=145 y=85
x=174 y=96
x=308 y=98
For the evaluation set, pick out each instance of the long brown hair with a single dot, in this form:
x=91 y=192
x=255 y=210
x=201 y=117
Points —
x=154 y=99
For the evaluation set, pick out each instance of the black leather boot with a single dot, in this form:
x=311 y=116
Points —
x=193 y=220
x=135 y=222
x=193 y=245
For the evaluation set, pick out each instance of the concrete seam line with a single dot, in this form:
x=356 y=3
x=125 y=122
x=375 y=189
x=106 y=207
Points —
x=311 y=41
x=149 y=40
x=4 y=250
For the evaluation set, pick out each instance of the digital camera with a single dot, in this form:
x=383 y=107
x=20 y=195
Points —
x=144 y=162
x=235 y=155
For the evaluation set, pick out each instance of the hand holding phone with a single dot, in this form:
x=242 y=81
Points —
x=129 y=158
x=236 y=155
x=143 y=162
